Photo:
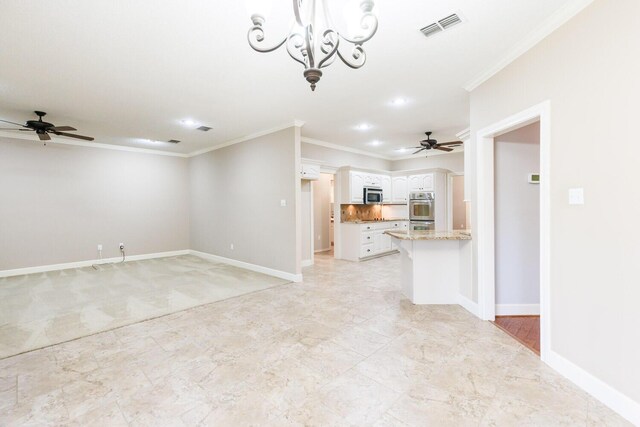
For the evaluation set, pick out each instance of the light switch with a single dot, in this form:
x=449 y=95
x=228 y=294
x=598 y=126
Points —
x=576 y=196
x=283 y=203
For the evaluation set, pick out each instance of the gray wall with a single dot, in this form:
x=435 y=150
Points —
x=58 y=202
x=235 y=199
x=454 y=162
x=591 y=80
x=517 y=217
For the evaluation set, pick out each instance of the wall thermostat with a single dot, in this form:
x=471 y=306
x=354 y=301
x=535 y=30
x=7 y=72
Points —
x=534 y=178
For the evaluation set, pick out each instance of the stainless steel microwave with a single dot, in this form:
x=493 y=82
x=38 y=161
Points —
x=372 y=195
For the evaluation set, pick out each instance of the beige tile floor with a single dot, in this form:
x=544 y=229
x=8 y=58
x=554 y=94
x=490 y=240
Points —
x=38 y=310
x=343 y=348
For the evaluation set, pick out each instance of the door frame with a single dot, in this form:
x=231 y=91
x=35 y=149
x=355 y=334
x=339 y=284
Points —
x=485 y=234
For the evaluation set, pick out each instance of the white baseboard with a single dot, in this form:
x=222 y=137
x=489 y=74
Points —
x=517 y=309
x=322 y=250
x=470 y=306
x=253 y=267
x=606 y=394
x=88 y=263
x=306 y=262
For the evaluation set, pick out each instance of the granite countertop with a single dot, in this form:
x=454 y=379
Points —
x=370 y=221
x=431 y=235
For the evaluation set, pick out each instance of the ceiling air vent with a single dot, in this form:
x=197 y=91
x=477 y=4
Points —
x=173 y=141
x=449 y=21
x=430 y=30
x=441 y=25
x=204 y=128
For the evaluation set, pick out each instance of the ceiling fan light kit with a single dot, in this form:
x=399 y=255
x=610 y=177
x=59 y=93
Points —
x=314 y=42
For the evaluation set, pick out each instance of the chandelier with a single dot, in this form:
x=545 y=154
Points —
x=314 y=41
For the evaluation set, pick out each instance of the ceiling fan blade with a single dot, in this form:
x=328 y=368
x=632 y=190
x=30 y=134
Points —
x=443 y=149
x=13 y=123
x=61 y=128
x=44 y=137
x=419 y=150
x=70 y=135
x=452 y=143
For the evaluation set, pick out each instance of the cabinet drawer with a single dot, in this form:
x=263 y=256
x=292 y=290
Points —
x=367 y=238
x=367 y=250
x=367 y=227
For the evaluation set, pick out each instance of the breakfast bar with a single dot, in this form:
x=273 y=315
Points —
x=436 y=265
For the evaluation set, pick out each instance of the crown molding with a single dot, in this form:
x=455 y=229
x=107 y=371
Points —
x=464 y=135
x=296 y=123
x=343 y=148
x=56 y=141
x=432 y=153
x=560 y=17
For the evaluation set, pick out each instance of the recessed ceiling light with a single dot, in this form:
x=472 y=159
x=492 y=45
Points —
x=189 y=122
x=398 y=102
x=363 y=126
x=375 y=143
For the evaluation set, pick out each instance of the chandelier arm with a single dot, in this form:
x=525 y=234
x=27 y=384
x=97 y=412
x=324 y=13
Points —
x=369 y=22
x=329 y=47
x=358 y=54
x=255 y=36
x=297 y=4
x=295 y=46
x=309 y=47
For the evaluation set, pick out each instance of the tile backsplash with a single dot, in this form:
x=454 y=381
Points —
x=360 y=212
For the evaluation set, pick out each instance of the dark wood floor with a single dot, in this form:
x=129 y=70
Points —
x=525 y=329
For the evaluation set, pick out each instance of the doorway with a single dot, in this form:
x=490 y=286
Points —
x=458 y=207
x=323 y=228
x=487 y=238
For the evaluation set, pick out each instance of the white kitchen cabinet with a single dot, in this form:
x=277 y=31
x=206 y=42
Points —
x=399 y=190
x=310 y=171
x=361 y=241
x=356 y=186
x=422 y=182
x=385 y=183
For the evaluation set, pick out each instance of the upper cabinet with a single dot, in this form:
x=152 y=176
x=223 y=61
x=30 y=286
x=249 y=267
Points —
x=310 y=171
x=422 y=182
x=356 y=187
x=385 y=183
x=400 y=189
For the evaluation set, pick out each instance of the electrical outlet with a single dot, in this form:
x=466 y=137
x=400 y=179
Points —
x=99 y=248
x=231 y=246
x=122 y=246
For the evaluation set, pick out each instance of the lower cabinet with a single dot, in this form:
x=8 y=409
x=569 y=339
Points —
x=367 y=240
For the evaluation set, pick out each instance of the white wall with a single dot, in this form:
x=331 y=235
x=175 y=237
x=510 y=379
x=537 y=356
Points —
x=338 y=158
x=452 y=161
x=517 y=217
x=321 y=212
x=591 y=80
x=235 y=198
x=58 y=202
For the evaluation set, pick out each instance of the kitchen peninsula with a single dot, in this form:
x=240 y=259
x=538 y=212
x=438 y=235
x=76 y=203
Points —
x=436 y=265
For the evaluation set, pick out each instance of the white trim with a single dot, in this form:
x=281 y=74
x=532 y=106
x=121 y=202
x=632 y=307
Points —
x=485 y=234
x=517 y=309
x=464 y=135
x=247 y=266
x=343 y=148
x=432 y=153
x=322 y=250
x=619 y=402
x=59 y=141
x=559 y=18
x=467 y=304
x=245 y=138
x=306 y=263
x=88 y=263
